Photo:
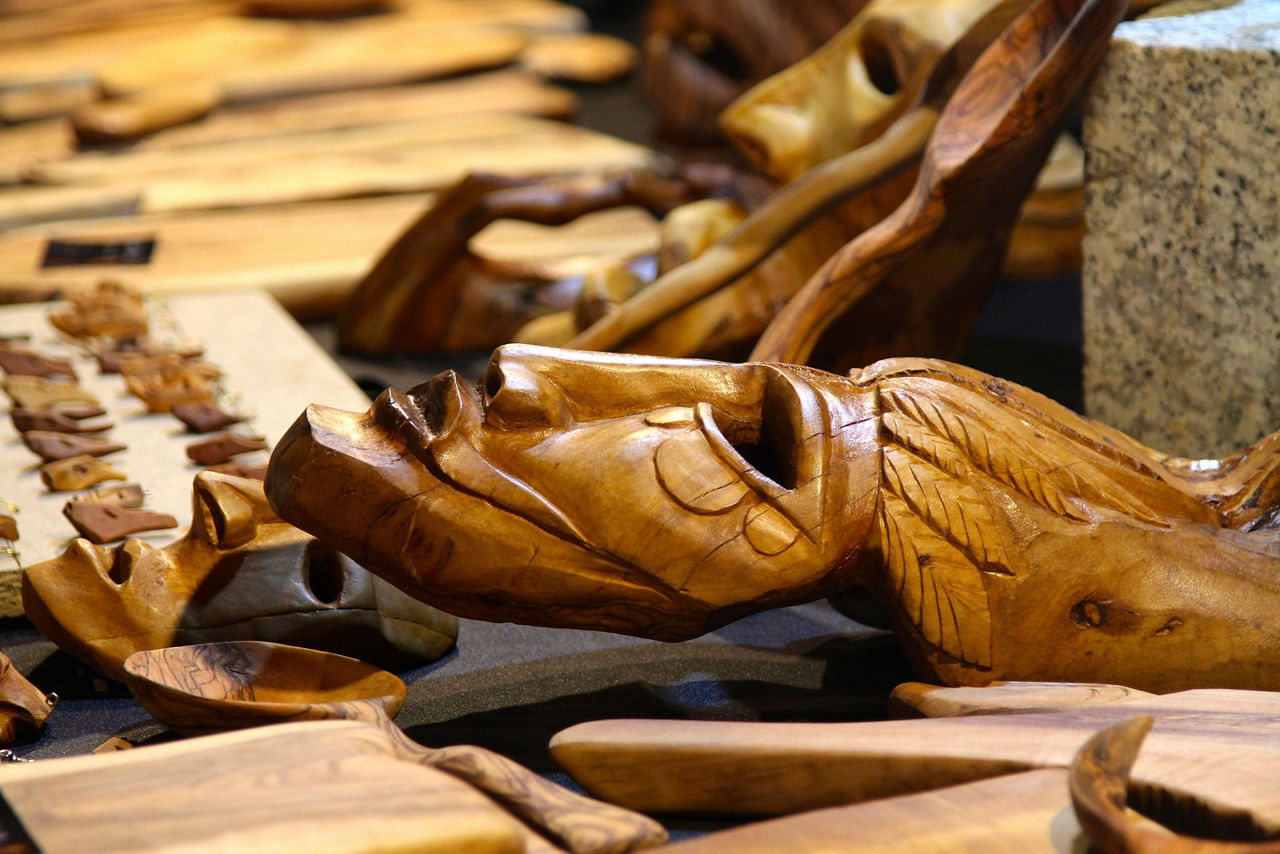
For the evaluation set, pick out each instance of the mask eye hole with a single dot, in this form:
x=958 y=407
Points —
x=322 y=573
x=492 y=382
x=121 y=567
x=879 y=64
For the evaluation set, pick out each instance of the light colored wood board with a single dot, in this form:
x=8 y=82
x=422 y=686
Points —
x=293 y=171
x=1004 y=698
x=25 y=146
x=323 y=786
x=272 y=367
x=308 y=256
x=580 y=57
x=489 y=92
x=130 y=167
x=1028 y=813
x=1219 y=746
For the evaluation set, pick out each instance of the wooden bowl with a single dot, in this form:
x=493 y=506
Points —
x=210 y=687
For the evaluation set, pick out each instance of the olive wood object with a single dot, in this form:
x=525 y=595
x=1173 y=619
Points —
x=207 y=687
x=332 y=786
x=1215 y=749
x=1008 y=537
x=8 y=527
x=211 y=687
x=30 y=363
x=204 y=416
x=239 y=573
x=23 y=707
x=110 y=310
x=123 y=495
x=52 y=446
x=106 y=523
x=915 y=699
x=981 y=161
x=54 y=421
x=222 y=448
x=40 y=393
x=79 y=472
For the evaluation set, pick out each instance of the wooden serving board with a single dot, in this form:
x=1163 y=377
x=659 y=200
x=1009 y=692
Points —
x=273 y=370
x=402 y=157
x=308 y=256
x=323 y=786
x=1220 y=747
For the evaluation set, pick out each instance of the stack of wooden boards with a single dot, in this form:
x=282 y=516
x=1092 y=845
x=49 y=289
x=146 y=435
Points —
x=283 y=152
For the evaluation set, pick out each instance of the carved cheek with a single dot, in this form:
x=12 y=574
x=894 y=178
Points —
x=691 y=473
x=768 y=531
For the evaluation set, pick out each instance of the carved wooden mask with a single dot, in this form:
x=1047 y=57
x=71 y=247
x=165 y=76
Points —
x=847 y=92
x=1009 y=537
x=239 y=573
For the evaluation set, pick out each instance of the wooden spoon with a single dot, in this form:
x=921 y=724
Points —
x=210 y=687
x=803 y=200
x=216 y=686
x=930 y=263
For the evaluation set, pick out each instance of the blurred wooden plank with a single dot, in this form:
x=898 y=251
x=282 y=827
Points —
x=308 y=256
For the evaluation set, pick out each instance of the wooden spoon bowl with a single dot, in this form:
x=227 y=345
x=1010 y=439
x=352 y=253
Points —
x=210 y=687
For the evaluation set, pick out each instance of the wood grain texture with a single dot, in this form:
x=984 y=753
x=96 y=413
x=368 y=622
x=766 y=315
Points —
x=912 y=699
x=1211 y=748
x=1009 y=538
x=990 y=141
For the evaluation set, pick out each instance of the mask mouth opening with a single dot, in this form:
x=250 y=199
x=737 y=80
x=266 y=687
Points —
x=322 y=573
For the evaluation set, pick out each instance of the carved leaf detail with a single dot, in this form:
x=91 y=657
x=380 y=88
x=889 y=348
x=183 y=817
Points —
x=940 y=589
x=955 y=511
x=1047 y=473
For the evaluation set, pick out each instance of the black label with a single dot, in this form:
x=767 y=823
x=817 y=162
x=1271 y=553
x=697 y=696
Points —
x=14 y=838
x=74 y=253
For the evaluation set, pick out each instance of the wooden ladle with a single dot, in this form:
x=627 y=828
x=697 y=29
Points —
x=210 y=687
x=929 y=264
x=217 y=686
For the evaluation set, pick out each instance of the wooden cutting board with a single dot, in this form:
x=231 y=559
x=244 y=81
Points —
x=1221 y=747
x=323 y=786
x=308 y=256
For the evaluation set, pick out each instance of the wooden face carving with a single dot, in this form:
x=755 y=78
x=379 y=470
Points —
x=239 y=574
x=846 y=93
x=1009 y=537
x=612 y=492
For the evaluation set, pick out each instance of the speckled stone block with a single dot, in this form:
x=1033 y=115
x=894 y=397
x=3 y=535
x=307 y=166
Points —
x=1182 y=254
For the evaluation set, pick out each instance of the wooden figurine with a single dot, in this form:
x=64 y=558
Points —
x=31 y=363
x=223 y=447
x=204 y=416
x=54 y=421
x=79 y=472
x=1009 y=537
x=239 y=573
x=169 y=383
x=23 y=707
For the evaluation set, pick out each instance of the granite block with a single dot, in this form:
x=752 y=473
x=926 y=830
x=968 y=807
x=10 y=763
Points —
x=1181 y=283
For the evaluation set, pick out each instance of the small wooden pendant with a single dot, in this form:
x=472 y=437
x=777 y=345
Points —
x=40 y=393
x=111 y=359
x=161 y=388
x=77 y=473
x=14 y=361
x=8 y=528
x=59 y=446
x=128 y=495
x=204 y=416
x=111 y=310
x=103 y=523
x=53 y=421
x=221 y=449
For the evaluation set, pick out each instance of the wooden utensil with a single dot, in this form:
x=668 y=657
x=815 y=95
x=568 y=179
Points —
x=213 y=686
x=989 y=143
x=1218 y=747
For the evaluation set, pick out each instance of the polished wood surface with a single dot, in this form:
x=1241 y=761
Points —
x=989 y=143
x=239 y=573
x=913 y=699
x=1213 y=748
x=212 y=687
x=1008 y=537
